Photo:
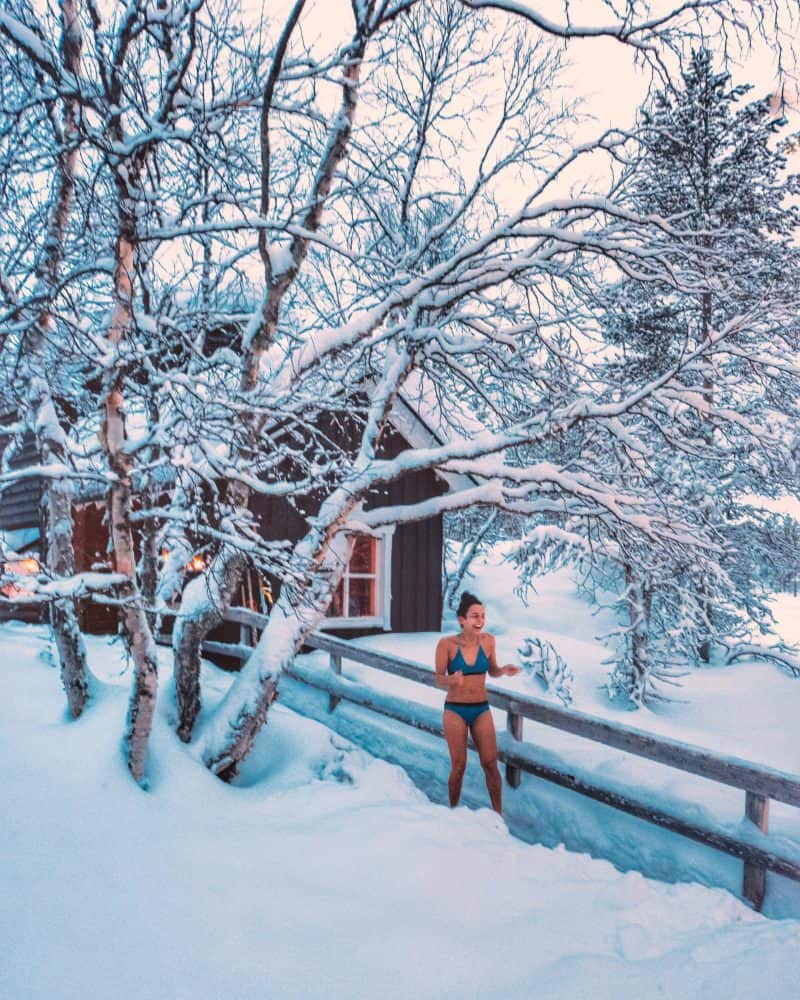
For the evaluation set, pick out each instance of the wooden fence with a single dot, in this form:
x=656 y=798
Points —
x=760 y=784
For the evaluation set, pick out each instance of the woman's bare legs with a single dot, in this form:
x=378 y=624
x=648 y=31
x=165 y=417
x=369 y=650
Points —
x=455 y=732
x=486 y=743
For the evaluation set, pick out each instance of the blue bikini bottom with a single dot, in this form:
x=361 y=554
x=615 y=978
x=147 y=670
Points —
x=468 y=710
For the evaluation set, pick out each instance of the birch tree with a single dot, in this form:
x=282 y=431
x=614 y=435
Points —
x=123 y=119
x=36 y=329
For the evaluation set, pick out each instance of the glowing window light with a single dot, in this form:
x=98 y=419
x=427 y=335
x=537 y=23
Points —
x=197 y=563
x=19 y=567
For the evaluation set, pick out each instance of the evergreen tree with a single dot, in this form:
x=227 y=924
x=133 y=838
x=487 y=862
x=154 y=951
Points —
x=715 y=166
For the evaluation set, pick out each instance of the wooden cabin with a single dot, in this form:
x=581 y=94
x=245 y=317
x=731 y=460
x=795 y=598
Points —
x=393 y=581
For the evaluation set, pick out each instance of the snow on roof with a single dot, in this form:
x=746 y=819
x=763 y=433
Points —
x=417 y=431
x=424 y=397
x=18 y=540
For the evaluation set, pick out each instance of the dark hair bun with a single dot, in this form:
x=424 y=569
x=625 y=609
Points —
x=467 y=600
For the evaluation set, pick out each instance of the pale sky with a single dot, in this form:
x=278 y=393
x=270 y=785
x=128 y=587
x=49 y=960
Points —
x=605 y=73
x=602 y=72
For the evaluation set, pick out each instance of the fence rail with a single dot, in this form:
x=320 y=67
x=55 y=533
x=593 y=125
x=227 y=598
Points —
x=760 y=784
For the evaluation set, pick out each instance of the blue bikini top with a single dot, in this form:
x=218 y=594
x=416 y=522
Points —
x=480 y=666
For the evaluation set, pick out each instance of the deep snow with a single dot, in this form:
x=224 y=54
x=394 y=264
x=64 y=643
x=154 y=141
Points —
x=747 y=710
x=326 y=872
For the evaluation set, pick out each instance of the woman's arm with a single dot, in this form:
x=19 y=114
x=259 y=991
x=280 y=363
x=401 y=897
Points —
x=495 y=670
x=442 y=678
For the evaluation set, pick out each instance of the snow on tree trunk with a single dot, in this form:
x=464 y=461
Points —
x=136 y=627
x=205 y=600
x=57 y=518
x=148 y=558
x=297 y=612
x=710 y=507
x=63 y=616
x=639 y=629
x=132 y=612
x=71 y=654
x=149 y=571
x=178 y=552
x=42 y=417
x=203 y=605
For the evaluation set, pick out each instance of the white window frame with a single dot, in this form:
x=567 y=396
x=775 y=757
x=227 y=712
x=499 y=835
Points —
x=383 y=585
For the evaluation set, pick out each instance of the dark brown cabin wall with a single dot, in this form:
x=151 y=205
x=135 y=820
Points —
x=416 y=548
x=277 y=518
x=19 y=502
x=416 y=551
x=278 y=521
x=32 y=614
x=416 y=577
x=19 y=507
x=90 y=540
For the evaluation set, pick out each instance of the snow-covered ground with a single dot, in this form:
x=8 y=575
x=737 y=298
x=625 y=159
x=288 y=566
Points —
x=326 y=872
x=748 y=710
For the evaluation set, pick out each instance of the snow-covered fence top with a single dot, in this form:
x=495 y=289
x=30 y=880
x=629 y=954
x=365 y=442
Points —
x=770 y=782
x=760 y=783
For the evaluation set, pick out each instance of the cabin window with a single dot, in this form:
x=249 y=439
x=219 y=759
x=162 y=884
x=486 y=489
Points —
x=15 y=590
x=362 y=598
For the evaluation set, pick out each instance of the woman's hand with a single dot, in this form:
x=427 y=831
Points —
x=457 y=679
x=510 y=670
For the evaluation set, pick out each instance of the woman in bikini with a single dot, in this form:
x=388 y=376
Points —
x=462 y=663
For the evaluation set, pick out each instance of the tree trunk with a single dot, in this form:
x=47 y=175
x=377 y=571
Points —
x=148 y=557
x=63 y=613
x=57 y=535
x=296 y=613
x=638 y=612
x=205 y=600
x=706 y=595
x=706 y=318
x=226 y=568
x=42 y=416
x=148 y=541
x=136 y=629
x=203 y=605
x=243 y=711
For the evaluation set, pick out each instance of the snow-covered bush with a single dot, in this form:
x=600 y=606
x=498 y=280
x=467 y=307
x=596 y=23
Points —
x=541 y=661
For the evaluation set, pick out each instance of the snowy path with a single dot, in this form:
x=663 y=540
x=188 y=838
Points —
x=327 y=875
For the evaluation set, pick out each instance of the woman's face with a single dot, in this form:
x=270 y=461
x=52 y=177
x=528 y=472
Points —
x=474 y=620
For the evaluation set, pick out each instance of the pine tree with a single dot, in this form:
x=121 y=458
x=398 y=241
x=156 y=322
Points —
x=715 y=166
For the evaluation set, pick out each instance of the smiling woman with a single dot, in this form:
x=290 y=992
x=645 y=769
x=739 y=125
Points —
x=462 y=663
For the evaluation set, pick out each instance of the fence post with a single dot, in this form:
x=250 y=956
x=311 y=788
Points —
x=754 y=882
x=336 y=667
x=514 y=726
